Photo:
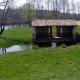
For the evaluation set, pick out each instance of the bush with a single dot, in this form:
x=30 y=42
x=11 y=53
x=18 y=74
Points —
x=63 y=45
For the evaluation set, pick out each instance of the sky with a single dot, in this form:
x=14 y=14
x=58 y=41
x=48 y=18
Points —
x=21 y=2
x=18 y=2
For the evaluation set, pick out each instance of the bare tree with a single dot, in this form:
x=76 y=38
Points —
x=53 y=8
x=64 y=5
x=53 y=4
x=68 y=10
x=5 y=6
x=72 y=9
x=58 y=8
x=78 y=10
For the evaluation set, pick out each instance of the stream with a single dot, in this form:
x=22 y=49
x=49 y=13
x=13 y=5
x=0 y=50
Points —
x=30 y=46
x=16 y=48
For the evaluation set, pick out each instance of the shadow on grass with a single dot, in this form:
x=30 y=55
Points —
x=10 y=40
x=7 y=42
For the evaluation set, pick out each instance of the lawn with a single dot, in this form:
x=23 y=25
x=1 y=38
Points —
x=16 y=36
x=56 y=63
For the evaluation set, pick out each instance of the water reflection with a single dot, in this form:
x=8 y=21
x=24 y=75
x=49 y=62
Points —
x=78 y=43
x=4 y=50
x=45 y=44
x=16 y=48
x=53 y=44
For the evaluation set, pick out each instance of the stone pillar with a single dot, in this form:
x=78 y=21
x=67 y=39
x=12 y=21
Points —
x=61 y=32
x=49 y=32
x=33 y=34
x=74 y=33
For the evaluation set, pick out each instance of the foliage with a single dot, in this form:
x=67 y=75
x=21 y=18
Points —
x=28 y=11
x=63 y=45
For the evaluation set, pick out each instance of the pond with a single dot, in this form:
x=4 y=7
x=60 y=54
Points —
x=31 y=46
x=16 y=48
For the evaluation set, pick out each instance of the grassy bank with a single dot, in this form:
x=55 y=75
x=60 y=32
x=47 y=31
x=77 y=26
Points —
x=16 y=36
x=42 y=64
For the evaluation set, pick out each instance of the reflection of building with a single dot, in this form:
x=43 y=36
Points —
x=65 y=30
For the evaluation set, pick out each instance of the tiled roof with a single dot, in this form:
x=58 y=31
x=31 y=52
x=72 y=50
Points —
x=54 y=23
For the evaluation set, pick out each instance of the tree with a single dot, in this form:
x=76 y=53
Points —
x=64 y=5
x=68 y=10
x=78 y=10
x=5 y=6
x=28 y=11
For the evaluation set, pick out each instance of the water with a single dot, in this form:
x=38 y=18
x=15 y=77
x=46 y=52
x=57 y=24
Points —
x=29 y=46
x=16 y=48
x=53 y=44
x=16 y=26
x=78 y=43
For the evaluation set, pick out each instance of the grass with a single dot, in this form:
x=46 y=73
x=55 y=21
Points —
x=78 y=30
x=16 y=36
x=42 y=64
x=54 y=30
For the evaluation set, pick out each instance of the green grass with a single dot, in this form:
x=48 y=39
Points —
x=54 y=30
x=42 y=64
x=78 y=30
x=16 y=36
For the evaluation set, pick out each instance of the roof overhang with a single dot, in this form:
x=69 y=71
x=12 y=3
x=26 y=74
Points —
x=54 y=23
